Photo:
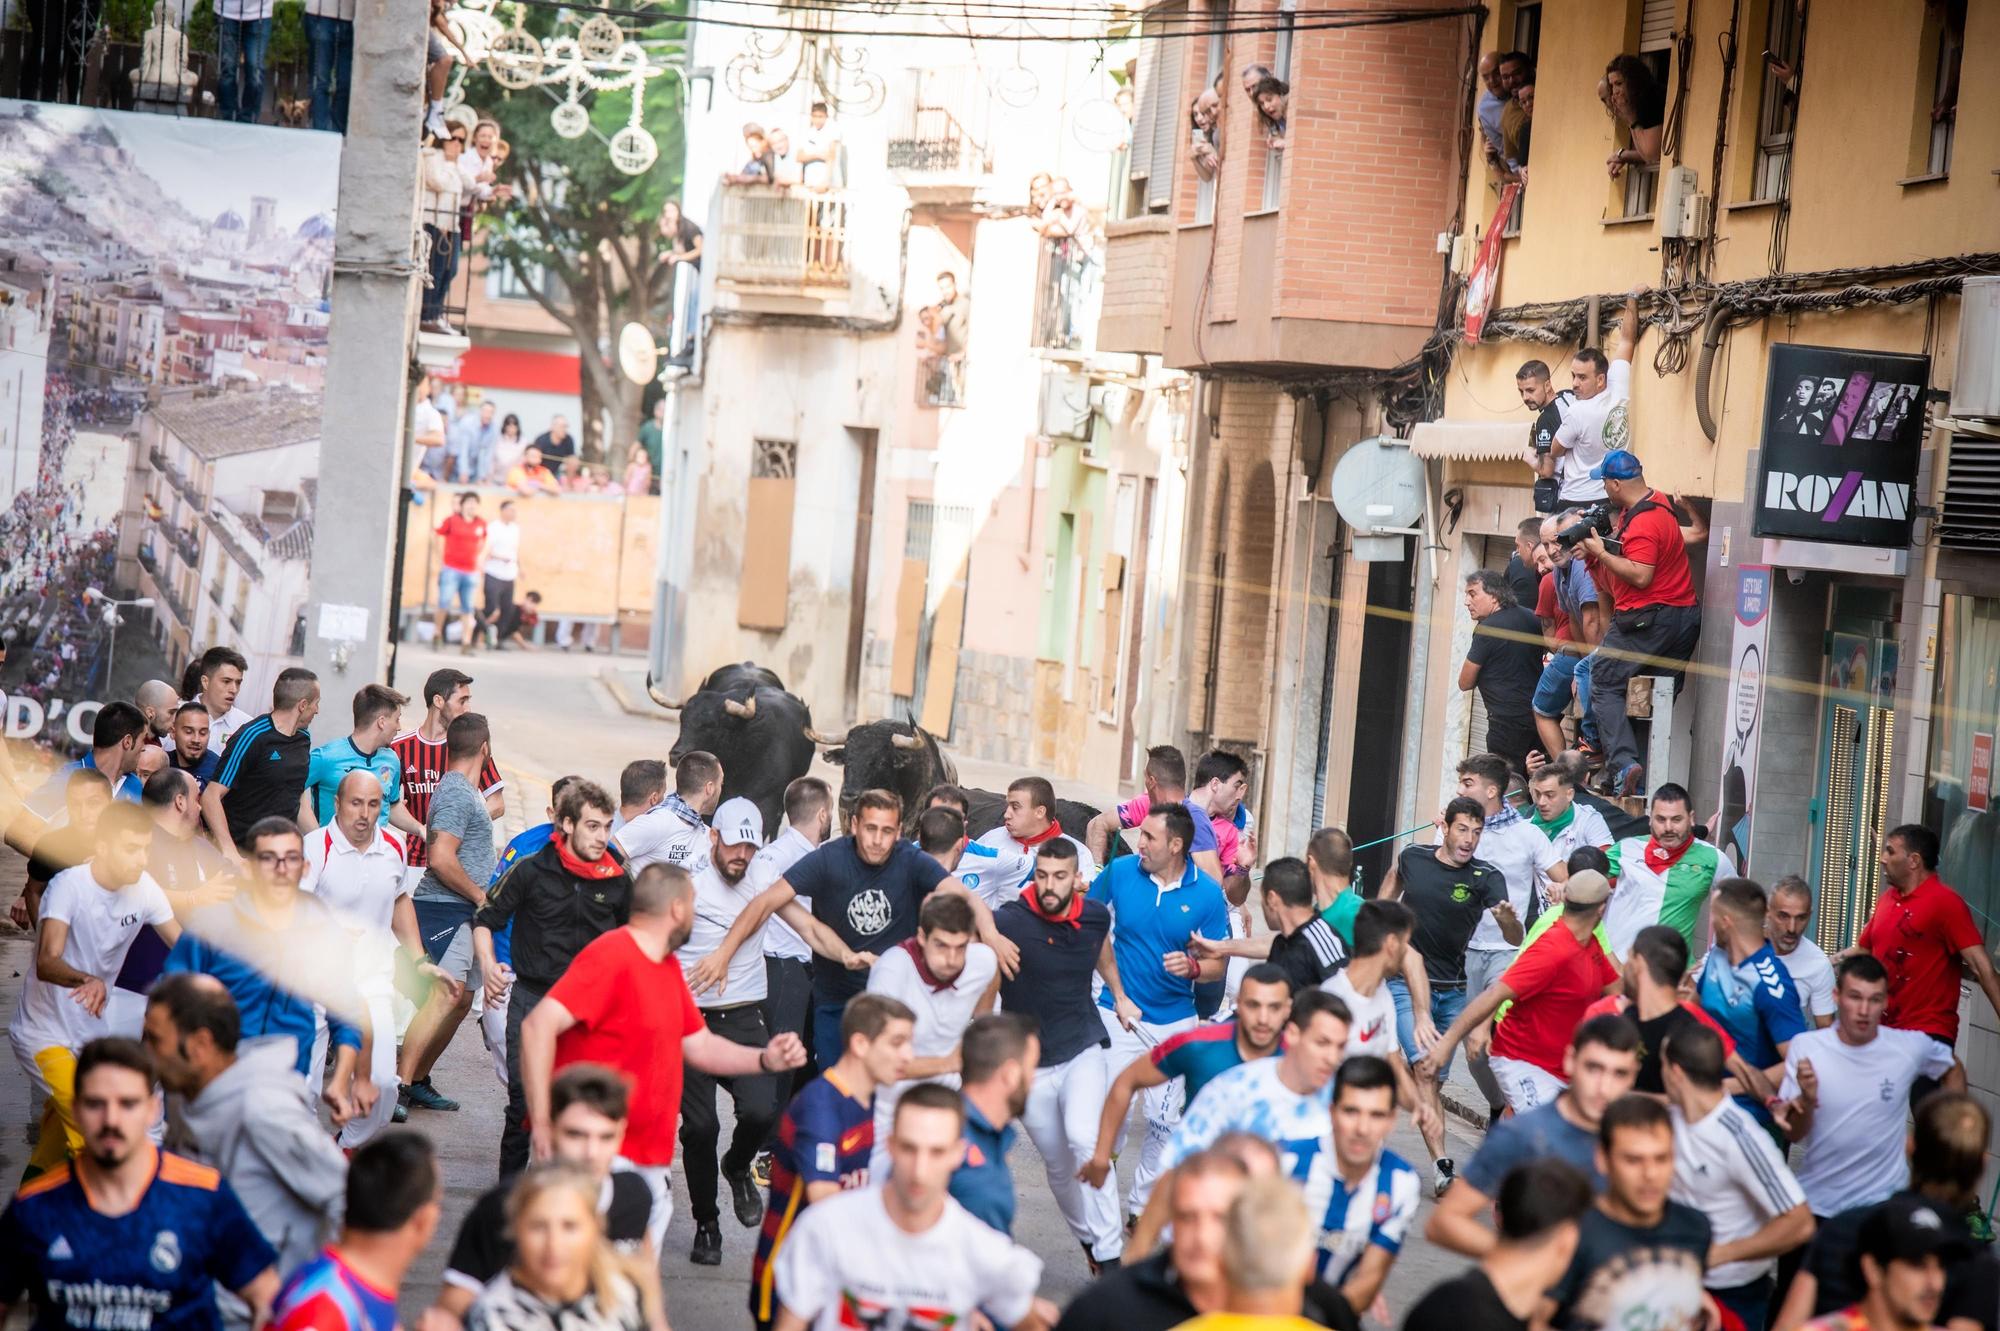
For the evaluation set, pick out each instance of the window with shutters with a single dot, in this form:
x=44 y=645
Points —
x=1160 y=130
x=1281 y=69
x=1778 y=102
x=1936 y=122
x=1971 y=516
x=1656 y=43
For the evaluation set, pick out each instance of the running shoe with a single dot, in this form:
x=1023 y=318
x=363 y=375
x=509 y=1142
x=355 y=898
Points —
x=423 y=1095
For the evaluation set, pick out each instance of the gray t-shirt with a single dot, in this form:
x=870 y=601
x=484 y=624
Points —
x=457 y=808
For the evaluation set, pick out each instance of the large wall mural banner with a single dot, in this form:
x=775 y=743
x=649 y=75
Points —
x=163 y=338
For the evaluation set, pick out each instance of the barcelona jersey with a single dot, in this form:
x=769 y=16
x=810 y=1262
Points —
x=154 y=1268
x=326 y=1294
x=825 y=1136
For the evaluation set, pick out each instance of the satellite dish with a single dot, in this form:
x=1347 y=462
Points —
x=1378 y=488
x=638 y=353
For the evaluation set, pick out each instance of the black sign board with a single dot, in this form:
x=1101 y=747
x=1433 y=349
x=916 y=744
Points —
x=1843 y=431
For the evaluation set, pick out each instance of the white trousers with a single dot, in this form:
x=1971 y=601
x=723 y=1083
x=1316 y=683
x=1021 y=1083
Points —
x=381 y=1070
x=1162 y=1105
x=1061 y=1120
x=886 y=1098
x=659 y=1179
x=493 y=1029
x=1525 y=1085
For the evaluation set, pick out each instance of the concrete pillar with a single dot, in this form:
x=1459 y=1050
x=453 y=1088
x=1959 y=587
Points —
x=375 y=290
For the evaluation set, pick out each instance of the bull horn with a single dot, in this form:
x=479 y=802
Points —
x=741 y=710
x=907 y=741
x=653 y=692
x=820 y=739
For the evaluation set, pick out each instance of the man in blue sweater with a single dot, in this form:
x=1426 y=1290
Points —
x=271 y=928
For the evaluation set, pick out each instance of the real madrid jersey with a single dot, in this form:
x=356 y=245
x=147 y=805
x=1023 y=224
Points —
x=154 y=1268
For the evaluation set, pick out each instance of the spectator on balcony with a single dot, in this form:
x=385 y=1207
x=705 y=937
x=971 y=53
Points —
x=785 y=168
x=819 y=150
x=1515 y=122
x=1640 y=104
x=437 y=72
x=683 y=239
x=1252 y=76
x=1205 y=143
x=954 y=317
x=1492 y=101
x=481 y=166
x=758 y=167
x=427 y=435
x=507 y=448
x=557 y=444
x=1064 y=215
x=530 y=477
x=1273 y=96
x=242 y=33
x=473 y=439
x=330 y=39
x=1041 y=188
x=443 y=193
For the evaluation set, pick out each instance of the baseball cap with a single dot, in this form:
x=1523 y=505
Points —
x=1908 y=1228
x=1620 y=464
x=738 y=822
x=1586 y=887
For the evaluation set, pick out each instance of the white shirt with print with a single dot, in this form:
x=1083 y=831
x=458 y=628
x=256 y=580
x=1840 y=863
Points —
x=102 y=925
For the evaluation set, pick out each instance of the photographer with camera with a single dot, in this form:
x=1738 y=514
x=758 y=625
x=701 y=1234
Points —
x=1655 y=620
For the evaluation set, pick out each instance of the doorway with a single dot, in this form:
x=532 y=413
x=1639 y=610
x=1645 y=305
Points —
x=1857 y=730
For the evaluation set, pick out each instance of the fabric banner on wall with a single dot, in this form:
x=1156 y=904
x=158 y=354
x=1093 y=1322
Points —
x=163 y=344
x=1483 y=284
x=1746 y=713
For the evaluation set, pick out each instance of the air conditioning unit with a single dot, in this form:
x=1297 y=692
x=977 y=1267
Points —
x=1677 y=183
x=1065 y=407
x=1975 y=388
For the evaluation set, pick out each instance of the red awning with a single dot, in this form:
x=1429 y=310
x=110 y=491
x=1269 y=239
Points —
x=510 y=367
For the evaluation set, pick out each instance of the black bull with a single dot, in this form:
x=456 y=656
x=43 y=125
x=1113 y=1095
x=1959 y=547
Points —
x=907 y=759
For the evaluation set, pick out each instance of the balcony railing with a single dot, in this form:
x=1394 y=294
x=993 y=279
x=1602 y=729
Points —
x=774 y=237
x=941 y=380
x=447 y=268
x=1069 y=291
x=941 y=124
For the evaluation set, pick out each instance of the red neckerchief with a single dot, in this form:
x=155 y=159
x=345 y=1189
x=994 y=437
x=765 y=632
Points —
x=916 y=951
x=1073 y=916
x=604 y=866
x=1659 y=861
x=1049 y=833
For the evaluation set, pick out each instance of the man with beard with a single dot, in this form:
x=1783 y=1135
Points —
x=163 y=1230
x=566 y=894
x=187 y=743
x=1065 y=939
x=997 y=1065
x=623 y=1003
x=1663 y=878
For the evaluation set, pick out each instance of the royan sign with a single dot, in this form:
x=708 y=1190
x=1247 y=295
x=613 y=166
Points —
x=1843 y=432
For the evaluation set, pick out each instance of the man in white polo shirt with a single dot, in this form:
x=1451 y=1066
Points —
x=355 y=865
x=1847 y=1092
x=1029 y=820
x=947 y=979
x=1785 y=924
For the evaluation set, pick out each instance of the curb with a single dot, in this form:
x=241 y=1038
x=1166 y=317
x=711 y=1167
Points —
x=1472 y=1111
x=611 y=677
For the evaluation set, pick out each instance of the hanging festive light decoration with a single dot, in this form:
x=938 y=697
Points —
x=598 y=56
x=773 y=63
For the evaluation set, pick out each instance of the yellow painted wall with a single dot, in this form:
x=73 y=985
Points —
x=1864 y=89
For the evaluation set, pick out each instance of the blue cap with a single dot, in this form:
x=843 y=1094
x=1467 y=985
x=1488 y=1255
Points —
x=1619 y=465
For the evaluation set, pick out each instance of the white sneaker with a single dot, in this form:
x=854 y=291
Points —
x=434 y=122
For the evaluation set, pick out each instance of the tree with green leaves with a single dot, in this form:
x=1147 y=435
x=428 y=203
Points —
x=591 y=228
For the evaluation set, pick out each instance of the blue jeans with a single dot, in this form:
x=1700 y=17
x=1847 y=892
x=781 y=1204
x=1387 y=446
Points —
x=455 y=583
x=1552 y=691
x=331 y=41
x=1446 y=1004
x=827 y=1044
x=1587 y=726
x=241 y=41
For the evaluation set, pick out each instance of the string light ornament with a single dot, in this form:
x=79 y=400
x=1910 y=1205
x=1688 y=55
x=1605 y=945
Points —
x=835 y=74
x=597 y=56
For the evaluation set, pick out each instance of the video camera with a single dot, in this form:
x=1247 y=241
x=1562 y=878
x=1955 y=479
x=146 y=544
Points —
x=1596 y=518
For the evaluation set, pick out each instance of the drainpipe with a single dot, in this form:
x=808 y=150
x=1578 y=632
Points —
x=1420 y=650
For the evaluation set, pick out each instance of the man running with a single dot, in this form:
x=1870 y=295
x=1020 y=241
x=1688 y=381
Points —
x=1029 y=821
x=675 y=831
x=1381 y=942
x=219 y=679
x=1902 y=1254
x=263 y=772
x=1726 y=1166
x=1550 y=985
x=1651 y=998
x=1536 y=1212
x=128 y=1226
x=378 y=716
x=1785 y=924
x=1746 y=989
x=996 y=875
x=1159 y=901
x=1064 y=940
x=393 y=1205
x=906 y=1254
x=1301 y=944
x=1603 y=1059
x=827 y=1134
x=1566 y=821
x=788 y=1001
x=1375 y=1192
x=1664 y=877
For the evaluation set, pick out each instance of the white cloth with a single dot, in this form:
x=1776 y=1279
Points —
x=1812 y=976
x=220 y=728
x=1162 y=1105
x=443 y=188
x=942 y=1016
x=244 y=10
x=767 y=867
x=716 y=906
x=1373 y=1030
x=1524 y=856
x=1523 y=1084
x=1000 y=839
x=1726 y=1166
x=1593 y=428
x=361 y=1130
x=503 y=550
x=102 y=924
x=361 y=885
x=847 y=1263
x=1854 y=1154
x=661 y=836
x=1061 y=1120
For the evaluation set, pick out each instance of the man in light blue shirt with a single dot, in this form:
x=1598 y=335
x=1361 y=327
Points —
x=470 y=444
x=378 y=714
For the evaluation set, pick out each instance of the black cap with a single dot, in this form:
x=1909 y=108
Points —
x=1909 y=1228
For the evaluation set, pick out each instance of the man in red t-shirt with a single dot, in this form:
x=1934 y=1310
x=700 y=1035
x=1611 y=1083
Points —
x=1551 y=985
x=624 y=1003
x=464 y=534
x=1654 y=615
x=1925 y=937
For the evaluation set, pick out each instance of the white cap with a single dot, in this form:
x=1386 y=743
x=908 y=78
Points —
x=738 y=822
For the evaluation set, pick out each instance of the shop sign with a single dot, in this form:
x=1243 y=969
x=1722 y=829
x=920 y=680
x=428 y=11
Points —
x=1843 y=432
x=1979 y=781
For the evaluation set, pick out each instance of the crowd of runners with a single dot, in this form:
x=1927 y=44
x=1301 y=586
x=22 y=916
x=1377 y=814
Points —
x=251 y=948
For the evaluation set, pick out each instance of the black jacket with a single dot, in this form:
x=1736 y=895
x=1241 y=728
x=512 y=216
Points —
x=555 y=913
x=1147 y=1296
